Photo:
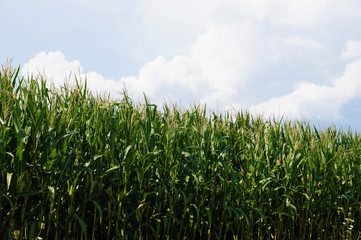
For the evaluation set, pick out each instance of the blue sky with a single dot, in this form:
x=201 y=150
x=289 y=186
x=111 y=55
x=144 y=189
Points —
x=298 y=58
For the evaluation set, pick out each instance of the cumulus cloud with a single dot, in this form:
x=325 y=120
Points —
x=218 y=64
x=164 y=20
x=300 y=12
x=58 y=70
x=226 y=46
x=316 y=101
x=307 y=12
x=180 y=78
x=299 y=41
x=160 y=15
x=353 y=50
x=53 y=65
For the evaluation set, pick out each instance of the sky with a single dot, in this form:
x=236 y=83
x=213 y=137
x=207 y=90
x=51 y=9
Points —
x=300 y=59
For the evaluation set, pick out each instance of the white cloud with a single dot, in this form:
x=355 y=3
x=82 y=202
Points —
x=299 y=41
x=54 y=63
x=168 y=80
x=218 y=65
x=353 y=50
x=225 y=54
x=178 y=23
x=346 y=9
x=300 y=12
x=316 y=101
x=225 y=44
x=239 y=37
x=173 y=18
x=308 y=12
x=180 y=78
x=57 y=69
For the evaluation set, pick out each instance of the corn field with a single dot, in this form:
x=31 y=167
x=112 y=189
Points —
x=78 y=166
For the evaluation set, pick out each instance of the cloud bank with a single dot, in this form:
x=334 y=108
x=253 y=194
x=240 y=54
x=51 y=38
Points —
x=271 y=57
x=303 y=42
x=314 y=101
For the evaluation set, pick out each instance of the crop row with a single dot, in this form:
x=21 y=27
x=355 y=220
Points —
x=78 y=166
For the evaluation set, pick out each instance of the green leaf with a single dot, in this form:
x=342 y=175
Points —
x=17 y=128
x=65 y=167
x=68 y=134
x=82 y=223
x=111 y=169
x=97 y=205
x=26 y=194
x=32 y=229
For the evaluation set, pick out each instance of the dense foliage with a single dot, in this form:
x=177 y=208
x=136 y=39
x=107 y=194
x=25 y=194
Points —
x=74 y=165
